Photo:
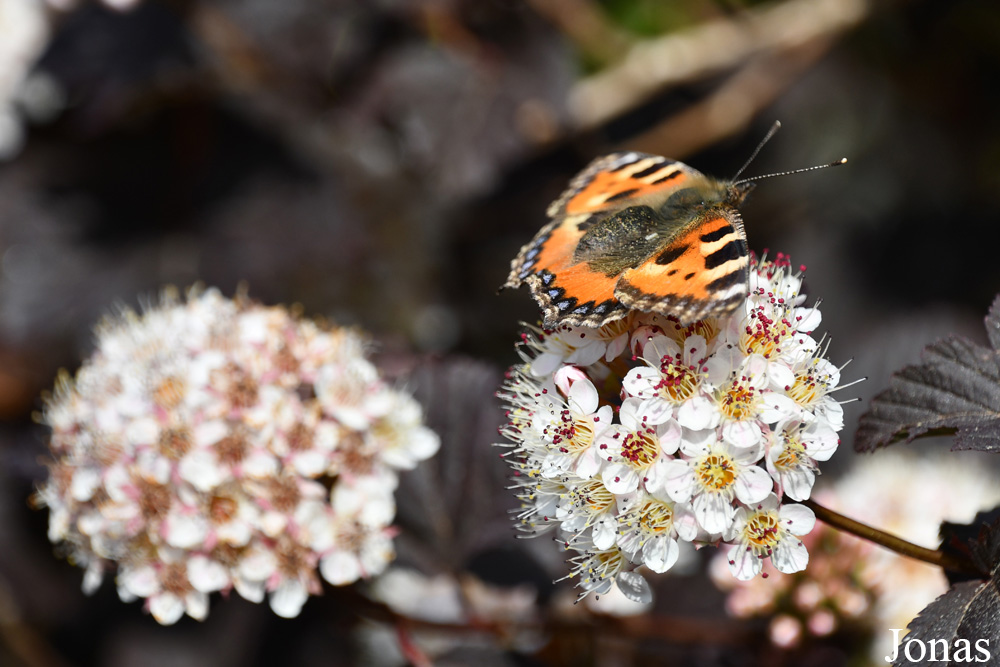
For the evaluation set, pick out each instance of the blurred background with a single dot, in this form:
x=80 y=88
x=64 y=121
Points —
x=380 y=162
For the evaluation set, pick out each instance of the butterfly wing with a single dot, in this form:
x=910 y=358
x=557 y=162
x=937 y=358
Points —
x=567 y=291
x=701 y=273
x=607 y=181
x=570 y=291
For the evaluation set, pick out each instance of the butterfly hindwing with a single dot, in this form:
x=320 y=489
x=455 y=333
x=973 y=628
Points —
x=701 y=273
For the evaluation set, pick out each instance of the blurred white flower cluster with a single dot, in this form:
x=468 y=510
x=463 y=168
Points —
x=213 y=444
x=24 y=34
x=854 y=582
x=633 y=436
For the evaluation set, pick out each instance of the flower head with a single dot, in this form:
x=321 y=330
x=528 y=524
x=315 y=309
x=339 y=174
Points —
x=212 y=444
x=635 y=437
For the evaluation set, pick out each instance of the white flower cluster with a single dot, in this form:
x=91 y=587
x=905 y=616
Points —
x=215 y=444
x=24 y=34
x=633 y=436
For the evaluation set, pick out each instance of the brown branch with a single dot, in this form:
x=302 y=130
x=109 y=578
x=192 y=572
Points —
x=937 y=557
x=583 y=22
x=733 y=106
x=709 y=48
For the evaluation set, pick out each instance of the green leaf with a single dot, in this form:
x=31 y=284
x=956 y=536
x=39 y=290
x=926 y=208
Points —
x=956 y=389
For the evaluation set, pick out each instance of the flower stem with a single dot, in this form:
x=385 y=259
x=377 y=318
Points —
x=947 y=561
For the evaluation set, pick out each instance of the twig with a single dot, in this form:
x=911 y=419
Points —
x=731 y=107
x=943 y=560
x=587 y=26
x=656 y=64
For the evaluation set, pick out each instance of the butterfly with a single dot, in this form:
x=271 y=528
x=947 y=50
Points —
x=638 y=231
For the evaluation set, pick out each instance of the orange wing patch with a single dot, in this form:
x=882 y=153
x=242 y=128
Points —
x=701 y=274
x=609 y=180
x=567 y=292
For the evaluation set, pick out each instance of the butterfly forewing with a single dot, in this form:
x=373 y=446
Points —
x=609 y=181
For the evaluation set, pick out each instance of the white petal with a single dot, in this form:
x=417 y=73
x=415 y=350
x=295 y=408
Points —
x=797 y=483
x=310 y=463
x=257 y=565
x=423 y=443
x=780 y=375
x=287 y=600
x=142 y=431
x=679 y=480
x=774 y=407
x=545 y=364
x=742 y=433
x=92 y=578
x=85 y=482
x=694 y=349
x=207 y=575
x=196 y=605
x=583 y=398
x=589 y=463
x=260 y=464
x=634 y=587
x=588 y=353
x=654 y=410
x=166 y=608
x=807 y=319
x=685 y=522
x=659 y=347
x=696 y=443
x=660 y=553
x=797 y=519
x=604 y=534
x=821 y=442
x=698 y=413
x=252 y=591
x=201 y=469
x=714 y=512
x=743 y=563
x=790 y=555
x=640 y=382
x=753 y=484
x=210 y=432
x=628 y=414
x=141 y=582
x=185 y=532
x=669 y=436
x=340 y=568
x=620 y=478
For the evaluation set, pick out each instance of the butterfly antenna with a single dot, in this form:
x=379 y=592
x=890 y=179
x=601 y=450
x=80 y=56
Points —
x=839 y=162
x=767 y=138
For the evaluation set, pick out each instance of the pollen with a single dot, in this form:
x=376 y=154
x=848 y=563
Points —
x=574 y=435
x=678 y=382
x=656 y=517
x=793 y=455
x=594 y=496
x=807 y=388
x=640 y=450
x=739 y=402
x=716 y=472
x=763 y=531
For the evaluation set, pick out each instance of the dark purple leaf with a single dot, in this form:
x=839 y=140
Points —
x=956 y=389
x=963 y=625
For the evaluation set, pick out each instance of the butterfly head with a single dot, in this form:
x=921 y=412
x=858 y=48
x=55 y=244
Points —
x=737 y=192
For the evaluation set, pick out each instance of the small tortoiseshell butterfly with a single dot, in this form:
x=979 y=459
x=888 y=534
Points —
x=638 y=231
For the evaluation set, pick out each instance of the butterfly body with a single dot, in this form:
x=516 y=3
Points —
x=638 y=231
